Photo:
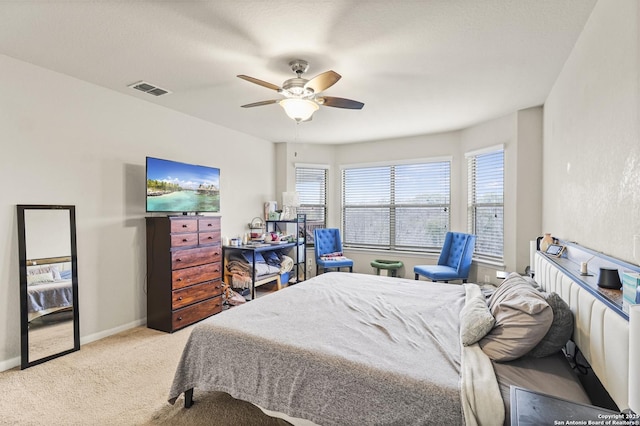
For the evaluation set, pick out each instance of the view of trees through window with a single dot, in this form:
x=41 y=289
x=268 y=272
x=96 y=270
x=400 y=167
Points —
x=486 y=202
x=403 y=206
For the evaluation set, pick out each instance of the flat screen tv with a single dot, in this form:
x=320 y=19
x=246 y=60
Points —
x=174 y=187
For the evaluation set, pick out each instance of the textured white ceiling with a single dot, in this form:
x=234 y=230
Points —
x=420 y=66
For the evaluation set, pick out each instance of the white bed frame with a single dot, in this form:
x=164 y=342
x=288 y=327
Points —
x=601 y=334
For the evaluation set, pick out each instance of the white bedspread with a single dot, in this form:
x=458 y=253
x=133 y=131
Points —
x=339 y=349
x=481 y=397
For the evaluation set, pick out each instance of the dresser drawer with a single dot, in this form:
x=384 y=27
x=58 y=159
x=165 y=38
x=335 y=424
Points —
x=206 y=224
x=196 y=256
x=184 y=225
x=195 y=293
x=189 y=315
x=181 y=240
x=198 y=274
x=208 y=238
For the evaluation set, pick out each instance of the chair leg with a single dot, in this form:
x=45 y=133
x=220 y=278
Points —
x=350 y=268
x=317 y=270
x=417 y=277
x=464 y=281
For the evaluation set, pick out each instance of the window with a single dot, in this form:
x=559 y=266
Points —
x=486 y=201
x=396 y=207
x=311 y=186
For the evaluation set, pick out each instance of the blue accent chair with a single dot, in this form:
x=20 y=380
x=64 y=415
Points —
x=455 y=259
x=327 y=240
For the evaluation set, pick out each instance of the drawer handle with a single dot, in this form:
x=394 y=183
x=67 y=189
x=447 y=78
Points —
x=179 y=318
x=209 y=224
x=178 y=260
x=184 y=240
x=210 y=238
x=179 y=297
x=184 y=225
x=179 y=279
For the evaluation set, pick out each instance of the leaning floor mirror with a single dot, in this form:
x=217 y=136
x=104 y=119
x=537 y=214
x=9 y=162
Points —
x=49 y=319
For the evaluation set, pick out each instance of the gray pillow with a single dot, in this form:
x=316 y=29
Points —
x=560 y=331
x=475 y=320
x=523 y=317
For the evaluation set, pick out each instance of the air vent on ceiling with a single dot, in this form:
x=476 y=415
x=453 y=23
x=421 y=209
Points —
x=149 y=88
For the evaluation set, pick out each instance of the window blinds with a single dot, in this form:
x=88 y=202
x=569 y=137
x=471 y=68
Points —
x=397 y=206
x=486 y=202
x=311 y=186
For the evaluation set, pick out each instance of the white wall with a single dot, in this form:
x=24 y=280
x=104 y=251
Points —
x=591 y=136
x=65 y=141
x=521 y=134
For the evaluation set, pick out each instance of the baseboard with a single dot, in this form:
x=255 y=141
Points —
x=15 y=362
x=9 y=364
x=106 y=333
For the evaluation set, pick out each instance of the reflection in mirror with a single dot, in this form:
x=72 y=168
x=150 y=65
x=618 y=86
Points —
x=48 y=282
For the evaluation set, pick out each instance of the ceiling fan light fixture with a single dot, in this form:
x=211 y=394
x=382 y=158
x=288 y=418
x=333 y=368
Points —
x=299 y=109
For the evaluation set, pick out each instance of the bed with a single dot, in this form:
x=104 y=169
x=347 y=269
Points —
x=356 y=349
x=49 y=287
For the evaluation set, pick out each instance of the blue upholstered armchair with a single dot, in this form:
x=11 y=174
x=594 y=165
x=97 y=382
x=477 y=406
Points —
x=328 y=249
x=455 y=259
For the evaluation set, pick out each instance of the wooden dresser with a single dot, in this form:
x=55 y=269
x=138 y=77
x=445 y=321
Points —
x=184 y=270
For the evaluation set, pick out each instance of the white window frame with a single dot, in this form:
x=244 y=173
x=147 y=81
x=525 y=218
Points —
x=304 y=199
x=393 y=244
x=489 y=245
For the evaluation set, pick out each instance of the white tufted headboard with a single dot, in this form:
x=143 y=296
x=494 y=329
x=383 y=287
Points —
x=601 y=333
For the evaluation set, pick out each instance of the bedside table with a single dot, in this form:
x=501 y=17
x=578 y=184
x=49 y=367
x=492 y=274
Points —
x=537 y=409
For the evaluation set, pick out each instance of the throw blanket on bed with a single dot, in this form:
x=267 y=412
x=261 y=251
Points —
x=339 y=349
x=481 y=397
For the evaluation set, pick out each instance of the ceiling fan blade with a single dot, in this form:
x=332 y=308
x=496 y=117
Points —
x=259 y=82
x=340 y=103
x=255 y=104
x=323 y=81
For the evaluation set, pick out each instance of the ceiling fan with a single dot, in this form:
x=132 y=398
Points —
x=301 y=96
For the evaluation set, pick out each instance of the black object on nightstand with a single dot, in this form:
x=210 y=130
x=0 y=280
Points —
x=531 y=408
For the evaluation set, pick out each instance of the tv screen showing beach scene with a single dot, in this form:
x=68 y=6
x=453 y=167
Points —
x=179 y=187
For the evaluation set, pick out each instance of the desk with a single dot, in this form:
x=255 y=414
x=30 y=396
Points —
x=530 y=408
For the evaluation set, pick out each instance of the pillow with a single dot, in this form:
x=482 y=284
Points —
x=330 y=255
x=45 y=277
x=272 y=258
x=248 y=256
x=523 y=317
x=531 y=281
x=513 y=279
x=560 y=331
x=475 y=320
x=41 y=269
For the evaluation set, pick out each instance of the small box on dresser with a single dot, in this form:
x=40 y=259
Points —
x=184 y=270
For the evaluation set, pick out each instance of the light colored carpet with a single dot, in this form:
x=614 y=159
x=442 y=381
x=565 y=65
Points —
x=120 y=380
x=48 y=337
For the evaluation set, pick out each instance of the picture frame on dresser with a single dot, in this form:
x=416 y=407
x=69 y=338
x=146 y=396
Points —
x=184 y=270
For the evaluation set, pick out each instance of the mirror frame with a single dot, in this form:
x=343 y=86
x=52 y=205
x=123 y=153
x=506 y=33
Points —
x=22 y=257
